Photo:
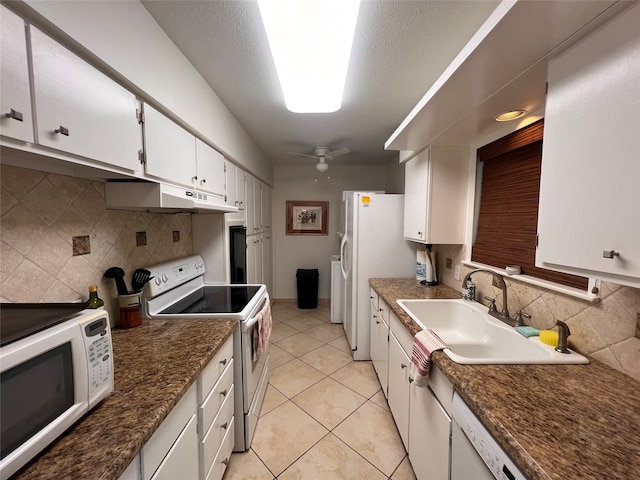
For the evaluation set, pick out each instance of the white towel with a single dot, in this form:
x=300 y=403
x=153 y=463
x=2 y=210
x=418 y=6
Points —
x=265 y=324
x=424 y=344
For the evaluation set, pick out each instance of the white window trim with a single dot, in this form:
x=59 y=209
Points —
x=553 y=286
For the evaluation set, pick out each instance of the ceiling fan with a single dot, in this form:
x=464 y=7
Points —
x=323 y=153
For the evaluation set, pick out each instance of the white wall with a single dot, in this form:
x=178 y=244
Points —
x=299 y=251
x=123 y=38
x=394 y=174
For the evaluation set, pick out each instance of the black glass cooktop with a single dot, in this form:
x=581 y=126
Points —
x=215 y=299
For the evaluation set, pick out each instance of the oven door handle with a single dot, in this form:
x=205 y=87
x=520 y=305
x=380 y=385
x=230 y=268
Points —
x=248 y=325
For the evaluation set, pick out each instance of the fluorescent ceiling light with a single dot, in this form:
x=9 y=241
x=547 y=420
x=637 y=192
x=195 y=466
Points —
x=311 y=42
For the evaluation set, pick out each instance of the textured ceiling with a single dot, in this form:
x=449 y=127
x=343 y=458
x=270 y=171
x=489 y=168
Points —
x=400 y=48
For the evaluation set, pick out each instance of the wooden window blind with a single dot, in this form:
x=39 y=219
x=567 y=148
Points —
x=508 y=214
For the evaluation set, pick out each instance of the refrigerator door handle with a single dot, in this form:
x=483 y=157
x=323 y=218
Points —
x=342 y=256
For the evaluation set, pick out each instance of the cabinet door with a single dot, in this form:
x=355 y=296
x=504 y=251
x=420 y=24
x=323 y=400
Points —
x=267 y=262
x=250 y=204
x=380 y=348
x=182 y=459
x=209 y=169
x=415 y=197
x=265 y=204
x=241 y=186
x=257 y=205
x=252 y=255
x=170 y=150
x=15 y=99
x=399 y=388
x=230 y=188
x=589 y=190
x=80 y=110
x=429 y=435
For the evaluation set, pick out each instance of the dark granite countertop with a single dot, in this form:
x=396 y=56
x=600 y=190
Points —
x=554 y=421
x=154 y=366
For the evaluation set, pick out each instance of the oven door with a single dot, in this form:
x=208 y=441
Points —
x=253 y=362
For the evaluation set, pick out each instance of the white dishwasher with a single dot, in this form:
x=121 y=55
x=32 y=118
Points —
x=475 y=455
x=337 y=286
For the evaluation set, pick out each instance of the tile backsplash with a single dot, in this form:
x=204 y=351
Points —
x=41 y=213
x=605 y=330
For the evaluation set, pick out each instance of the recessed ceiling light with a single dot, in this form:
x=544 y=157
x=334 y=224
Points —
x=311 y=42
x=511 y=115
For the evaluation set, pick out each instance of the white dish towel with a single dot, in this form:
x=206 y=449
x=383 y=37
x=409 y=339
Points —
x=424 y=344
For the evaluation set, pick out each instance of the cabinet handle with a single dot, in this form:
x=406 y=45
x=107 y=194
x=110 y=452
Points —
x=224 y=392
x=402 y=365
x=419 y=234
x=223 y=361
x=194 y=178
x=62 y=131
x=410 y=379
x=610 y=254
x=14 y=114
x=203 y=181
x=377 y=322
x=225 y=462
x=224 y=425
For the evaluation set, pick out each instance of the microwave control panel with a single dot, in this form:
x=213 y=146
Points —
x=97 y=340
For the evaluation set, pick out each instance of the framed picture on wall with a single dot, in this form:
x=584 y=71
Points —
x=307 y=217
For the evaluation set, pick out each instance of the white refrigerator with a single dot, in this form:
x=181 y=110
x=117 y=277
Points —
x=372 y=246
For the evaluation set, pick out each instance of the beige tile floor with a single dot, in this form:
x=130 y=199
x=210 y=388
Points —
x=324 y=416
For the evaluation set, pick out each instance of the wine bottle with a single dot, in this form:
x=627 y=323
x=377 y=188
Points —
x=94 y=300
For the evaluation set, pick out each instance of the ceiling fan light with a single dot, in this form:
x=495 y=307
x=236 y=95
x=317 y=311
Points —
x=310 y=43
x=322 y=166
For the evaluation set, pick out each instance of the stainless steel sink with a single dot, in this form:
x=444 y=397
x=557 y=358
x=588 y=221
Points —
x=475 y=337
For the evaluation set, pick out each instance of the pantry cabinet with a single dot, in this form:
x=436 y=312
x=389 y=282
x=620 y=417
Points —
x=589 y=220
x=80 y=110
x=435 y=197
x=15 y=98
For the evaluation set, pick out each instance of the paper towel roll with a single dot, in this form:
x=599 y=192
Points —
x=421 y=264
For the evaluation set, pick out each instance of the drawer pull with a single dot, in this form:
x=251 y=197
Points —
x=410 y=379
x=610 y=254
x=402 y=365
x=225 y=462
x=14 y=114
x=62 y=131
x=224 y=392
x=223 y=362
x=224 y=425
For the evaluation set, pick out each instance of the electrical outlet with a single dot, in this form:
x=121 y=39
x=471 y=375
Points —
x=176 y=236
x=448 y=263
x=141 y=239
x=456 y=273
x=495 y=282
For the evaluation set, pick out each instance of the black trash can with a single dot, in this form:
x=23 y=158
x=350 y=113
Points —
x=307 y=287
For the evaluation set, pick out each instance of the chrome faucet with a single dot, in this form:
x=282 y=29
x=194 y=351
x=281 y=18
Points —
x=563 y=337
x=493 y=311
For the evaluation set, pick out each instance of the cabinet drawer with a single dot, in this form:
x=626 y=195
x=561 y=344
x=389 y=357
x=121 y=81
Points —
x=218 y=394
x=219 y=427
x=374 y=298
x=214 y=369
x=383 y=311
x=165 y=436
x=222 y=458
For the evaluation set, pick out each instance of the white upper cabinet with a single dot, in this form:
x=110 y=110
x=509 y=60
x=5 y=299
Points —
x=265 y=193
x=589 y=216
x=209 y=169
x=230 y=188
x=249 y=203
x=80 y=110
x=435 y=197
x=170 y=151
x=15 y=99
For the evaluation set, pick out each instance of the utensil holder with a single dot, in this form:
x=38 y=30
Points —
x=130 y=310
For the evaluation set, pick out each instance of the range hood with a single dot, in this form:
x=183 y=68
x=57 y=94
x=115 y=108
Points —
x=162 y=198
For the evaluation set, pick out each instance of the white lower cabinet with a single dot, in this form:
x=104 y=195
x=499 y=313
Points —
x=174 y=446
x=420 y=413
x=380 y=346
x=215 y=413
x=429 y=435
x=195 y=441
x=399 y=388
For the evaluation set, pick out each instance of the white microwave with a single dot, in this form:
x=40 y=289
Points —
x=49 y=380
